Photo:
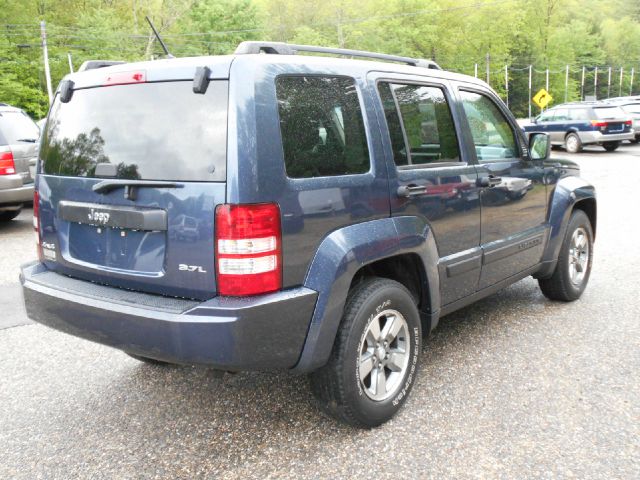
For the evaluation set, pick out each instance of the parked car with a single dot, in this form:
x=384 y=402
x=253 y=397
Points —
x=327 y=255
x=18 y=152
x=631 y=106
x=574 y=125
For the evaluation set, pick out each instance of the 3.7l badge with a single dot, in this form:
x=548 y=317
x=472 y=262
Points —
x=191 y=268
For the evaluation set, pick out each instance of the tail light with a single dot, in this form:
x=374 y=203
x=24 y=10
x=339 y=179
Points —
x=36 y=223
x=7 y=165
x=248 y=248
x=628 y=122
x=598 y=123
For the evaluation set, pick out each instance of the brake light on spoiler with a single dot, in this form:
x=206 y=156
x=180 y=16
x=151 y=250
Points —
x=125 y=78
x=248 y=244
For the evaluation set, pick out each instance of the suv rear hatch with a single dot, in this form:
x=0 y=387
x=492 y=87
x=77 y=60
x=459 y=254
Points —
x=611 y=120
x=131 y=175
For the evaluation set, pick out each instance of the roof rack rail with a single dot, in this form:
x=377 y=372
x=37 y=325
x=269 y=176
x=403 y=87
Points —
x=280 y=48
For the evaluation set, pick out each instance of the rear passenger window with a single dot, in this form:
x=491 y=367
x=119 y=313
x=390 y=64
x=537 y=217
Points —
x=322 y=127
x=423 y=132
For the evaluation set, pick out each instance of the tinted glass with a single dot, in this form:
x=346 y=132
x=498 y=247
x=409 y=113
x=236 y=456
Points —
x=150 y=131
x=492 y=134
x=578 y=114
x=428 y=125
x=322 y=127
x=608 y=112
x=17 y=127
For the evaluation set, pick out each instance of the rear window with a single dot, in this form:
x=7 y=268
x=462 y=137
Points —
x=17 y=127
x=608 y=112
x=150 y=131
x=633 y=108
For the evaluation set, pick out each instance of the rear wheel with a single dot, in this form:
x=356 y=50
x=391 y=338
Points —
x=610 y=146
x=572 y=143
x=572 y=272
x=375 y=356
x=10 y=215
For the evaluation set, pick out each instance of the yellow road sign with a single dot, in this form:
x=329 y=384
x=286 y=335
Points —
x=542 y=98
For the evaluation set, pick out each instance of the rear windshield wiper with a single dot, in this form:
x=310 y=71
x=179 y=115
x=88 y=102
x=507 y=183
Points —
x=27 y=140
x=131 y=186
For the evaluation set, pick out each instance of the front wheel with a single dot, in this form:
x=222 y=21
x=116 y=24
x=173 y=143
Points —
x=573 y=269
x=375 y=357
x=611 y=146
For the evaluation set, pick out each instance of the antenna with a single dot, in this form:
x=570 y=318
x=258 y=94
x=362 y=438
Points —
x=155 y=32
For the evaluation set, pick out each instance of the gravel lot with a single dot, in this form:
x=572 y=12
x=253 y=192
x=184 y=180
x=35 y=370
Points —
x=514 y=386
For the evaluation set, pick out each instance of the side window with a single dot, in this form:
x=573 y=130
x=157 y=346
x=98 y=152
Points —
x=429 y=134
x=492 y=134
x=578 y=114
x=562 y=114
x=547 y=116
x=322 y=128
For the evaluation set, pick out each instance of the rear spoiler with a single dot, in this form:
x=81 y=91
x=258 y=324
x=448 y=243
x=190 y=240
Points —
x=93 y=64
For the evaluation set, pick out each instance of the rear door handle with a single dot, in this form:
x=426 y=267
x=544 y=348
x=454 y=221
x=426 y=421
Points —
x=407 y=191
x=489 y=181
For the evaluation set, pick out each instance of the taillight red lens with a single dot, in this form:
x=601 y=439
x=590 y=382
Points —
x=124 y=78
x=7 y=165
x=36 y=223
x=598 y=123
x=248 y=244
x=628 y=122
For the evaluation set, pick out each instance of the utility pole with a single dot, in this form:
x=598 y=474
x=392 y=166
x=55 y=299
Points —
x=70 y=62
x=488 y=70
x=530 y=76
x=582 y=85
x=609 y=84
x=566 y=83
x=631 y=82
x=506 y=82
x=475 y=70
x=595 y=84
x=45 y=52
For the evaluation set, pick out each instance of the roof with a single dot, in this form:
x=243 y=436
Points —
x=220 y=66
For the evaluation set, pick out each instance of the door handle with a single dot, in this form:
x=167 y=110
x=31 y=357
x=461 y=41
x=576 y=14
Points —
x=407 y=191
x=488 y=181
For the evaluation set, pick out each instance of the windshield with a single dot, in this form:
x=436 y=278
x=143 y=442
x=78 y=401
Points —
x=17 y=127
x=149 y=131
x=632 y=108
x=603 y=113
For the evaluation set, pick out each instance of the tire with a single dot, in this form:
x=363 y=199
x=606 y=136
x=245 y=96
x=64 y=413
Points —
x=572 y=143
x=150 y=361
x=611 y=146
x=9 y=215
x=342 y=387
x=562 y=285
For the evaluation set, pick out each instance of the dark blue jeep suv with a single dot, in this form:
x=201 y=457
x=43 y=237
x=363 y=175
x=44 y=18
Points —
x=282 y=211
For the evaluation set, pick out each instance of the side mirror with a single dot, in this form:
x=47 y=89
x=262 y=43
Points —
x=539 y=146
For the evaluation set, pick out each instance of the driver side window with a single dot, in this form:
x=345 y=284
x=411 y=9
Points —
x=493 y=136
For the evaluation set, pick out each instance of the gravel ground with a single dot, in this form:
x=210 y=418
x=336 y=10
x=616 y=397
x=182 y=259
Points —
x=514 y=386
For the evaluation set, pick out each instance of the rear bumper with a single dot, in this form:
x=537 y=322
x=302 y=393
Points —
x=599 y=137
x=13 y=192
x=257 y=333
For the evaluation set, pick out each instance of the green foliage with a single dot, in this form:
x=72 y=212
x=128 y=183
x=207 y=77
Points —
x=546 y=33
